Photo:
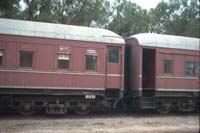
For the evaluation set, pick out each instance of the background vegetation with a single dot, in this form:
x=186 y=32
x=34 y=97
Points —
x=176 y=17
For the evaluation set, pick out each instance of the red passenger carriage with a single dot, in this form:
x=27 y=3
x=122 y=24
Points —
x=163 y=71
x=58 y=67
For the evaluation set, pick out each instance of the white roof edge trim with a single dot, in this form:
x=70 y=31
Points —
x=167 y=41
x=58 y=31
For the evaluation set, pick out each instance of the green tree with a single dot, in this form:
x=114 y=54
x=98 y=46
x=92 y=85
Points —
x=177 y=17
x=38 y=10
x=61 y=10
x=9 y=8
x=158 y=18
x=45 y=11
x=128 y=19
x=84 y=12
x=185 y=19
x=30 y=13
x=76 y=12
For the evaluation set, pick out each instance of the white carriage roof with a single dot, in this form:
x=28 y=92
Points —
x=58 y=31
x=167 y=41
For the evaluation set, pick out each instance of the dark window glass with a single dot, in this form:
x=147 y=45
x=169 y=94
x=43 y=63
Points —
x=167 y=66
x=1 y=56
x=26 y=58
x=189 y=68
x=91 y=62
x=63 y=60
x=113 y=55
x=198 y=69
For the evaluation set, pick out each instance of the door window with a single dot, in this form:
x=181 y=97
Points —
x=113 y=55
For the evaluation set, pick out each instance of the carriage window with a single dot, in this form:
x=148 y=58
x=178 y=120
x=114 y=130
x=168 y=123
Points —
x=63 y=60
x=198 y=69
x=167 y=66
x=189 y=68
x=113 y=55
x=1 y=56
x=26 y=58
x=91 y=62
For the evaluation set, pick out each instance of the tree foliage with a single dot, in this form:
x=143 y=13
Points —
x=128 y=19
x=9 y=8
x=177 y=17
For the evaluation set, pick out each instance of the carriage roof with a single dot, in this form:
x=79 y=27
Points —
x=167 y=41
x=58 y=31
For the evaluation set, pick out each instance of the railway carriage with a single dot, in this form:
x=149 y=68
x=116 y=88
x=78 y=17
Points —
x=162 y=72
x=55 y=67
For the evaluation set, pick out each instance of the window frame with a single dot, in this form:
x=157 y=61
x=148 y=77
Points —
x=171 y=67
x=108 y=57
x=57 y=61
x=197 y=73
x=193 y=70
x=96 y=63
x=1 y=63
x=32 y=63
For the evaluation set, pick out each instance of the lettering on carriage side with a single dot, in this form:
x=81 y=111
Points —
x=64 y=49
x=90 y=96
x=91 y=52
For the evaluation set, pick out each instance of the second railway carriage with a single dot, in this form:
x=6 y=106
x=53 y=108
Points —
x=162 y=72
x=58 y=67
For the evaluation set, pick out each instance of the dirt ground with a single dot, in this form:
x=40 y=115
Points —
x=101 y=123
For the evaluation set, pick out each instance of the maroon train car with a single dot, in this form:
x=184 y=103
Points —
x=58 y=67
x=163 y=71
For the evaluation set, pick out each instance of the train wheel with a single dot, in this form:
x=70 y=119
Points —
x=26 y=110
x=82 y=110
x=164 y=109
x=187 y=106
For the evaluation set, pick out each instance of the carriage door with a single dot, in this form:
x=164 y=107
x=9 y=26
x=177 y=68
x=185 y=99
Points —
x=113 y=68
x=148 y=72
